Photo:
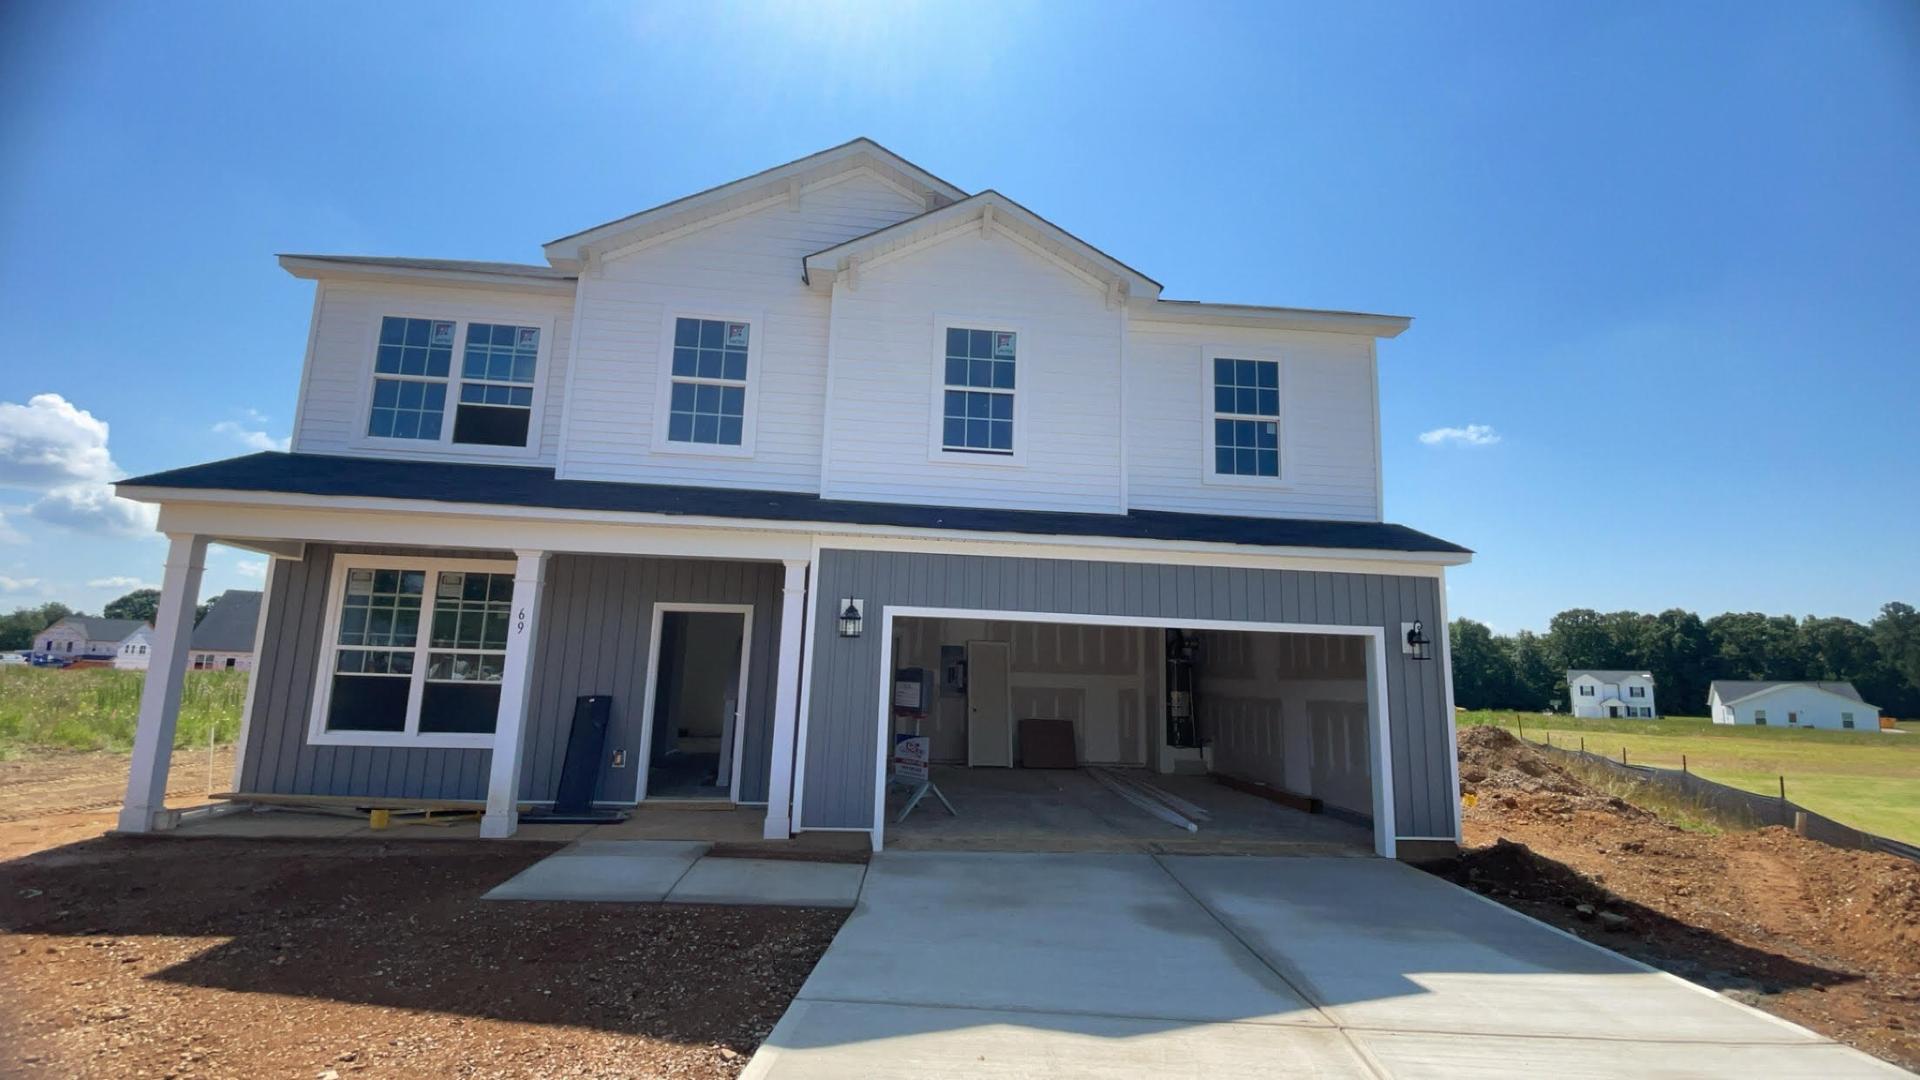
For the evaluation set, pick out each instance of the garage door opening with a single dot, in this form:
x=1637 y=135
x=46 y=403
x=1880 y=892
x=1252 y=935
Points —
x=1050 y=733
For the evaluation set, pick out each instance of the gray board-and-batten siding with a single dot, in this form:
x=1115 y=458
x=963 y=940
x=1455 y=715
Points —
x=841 y=755
x=594 y=635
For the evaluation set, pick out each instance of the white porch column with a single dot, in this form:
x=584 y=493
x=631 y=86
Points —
x=786 y=701
x=166 y=676
x=516 y=687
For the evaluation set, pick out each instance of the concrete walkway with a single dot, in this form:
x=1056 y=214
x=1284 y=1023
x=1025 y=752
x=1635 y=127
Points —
x=1122 y=965
x=679 y=872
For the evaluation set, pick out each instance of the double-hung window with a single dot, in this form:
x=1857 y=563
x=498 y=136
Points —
x=1586 y=689
x=1636 y=691
x=707 y=391
x=410 y=367
x=492 y=394
x=978 y=397
x=415 y=651
x=1246 y=418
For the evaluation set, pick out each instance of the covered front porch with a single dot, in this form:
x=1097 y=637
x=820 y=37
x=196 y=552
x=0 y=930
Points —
x=447 y=662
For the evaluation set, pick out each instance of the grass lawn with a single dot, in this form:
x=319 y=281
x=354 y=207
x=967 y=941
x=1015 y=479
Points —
x=1868 y=779
x=96 y=708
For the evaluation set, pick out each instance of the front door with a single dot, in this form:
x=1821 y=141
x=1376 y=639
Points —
x=698 y=685
x=989 y=705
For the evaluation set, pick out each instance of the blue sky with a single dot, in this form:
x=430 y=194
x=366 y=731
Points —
x=1695 y=223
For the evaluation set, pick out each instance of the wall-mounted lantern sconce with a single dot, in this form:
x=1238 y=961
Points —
x=852 y=613
x=1416 y=644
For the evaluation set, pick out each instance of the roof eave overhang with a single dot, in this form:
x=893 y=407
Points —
x=989 y=211
x=294 y=501
x=1270 y=318
x=329 y=269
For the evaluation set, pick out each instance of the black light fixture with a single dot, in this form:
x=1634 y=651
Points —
x=850 y=617
x=1418 y=645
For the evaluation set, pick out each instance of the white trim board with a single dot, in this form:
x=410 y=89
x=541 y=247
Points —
x=1379 y=728
x=660 y=609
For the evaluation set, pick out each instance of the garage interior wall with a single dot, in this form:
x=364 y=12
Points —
x=1289 y=711
x=1106 y=679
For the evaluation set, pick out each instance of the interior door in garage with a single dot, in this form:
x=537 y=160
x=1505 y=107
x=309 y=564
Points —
x=989 y=705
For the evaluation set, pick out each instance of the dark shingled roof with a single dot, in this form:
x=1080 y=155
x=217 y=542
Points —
x=99 y=629
x=229 y=624
x=515 y=485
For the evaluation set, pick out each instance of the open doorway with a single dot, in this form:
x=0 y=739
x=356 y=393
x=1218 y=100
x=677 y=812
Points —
x=696 y=693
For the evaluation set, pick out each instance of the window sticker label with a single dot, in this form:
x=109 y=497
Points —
x=359 y=583
x=450 y=586
x=529 y=337
x=443 y=333
x=736 y=335
x=1002 y=343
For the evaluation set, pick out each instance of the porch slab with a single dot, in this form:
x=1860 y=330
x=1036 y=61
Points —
x=770 y=882
x=633 y=871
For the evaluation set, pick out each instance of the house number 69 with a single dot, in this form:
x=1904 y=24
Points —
x=521 y=626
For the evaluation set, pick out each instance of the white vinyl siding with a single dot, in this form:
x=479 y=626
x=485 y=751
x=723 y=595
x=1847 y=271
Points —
x=336 y=398
x=748 y=264
x=889 y=373
x=1328 y=449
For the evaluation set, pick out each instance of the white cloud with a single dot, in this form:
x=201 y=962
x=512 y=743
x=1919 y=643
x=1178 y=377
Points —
x=251 y=569
x=250 y=437
x=1471 y=435
x=59 y=450
x=18 y=585
x=95 y=508
x=119 y=581
x=49 y=443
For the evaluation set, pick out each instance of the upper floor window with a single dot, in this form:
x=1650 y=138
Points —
x=1586 y=689
x=708 y=394
x=1246 y=417
x=977 y=409
x=496 y=384
x=413 y=377
x=1636 y=691
x=410 y=378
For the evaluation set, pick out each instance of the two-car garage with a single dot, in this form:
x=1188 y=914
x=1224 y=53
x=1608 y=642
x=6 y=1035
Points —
x=1217 y=687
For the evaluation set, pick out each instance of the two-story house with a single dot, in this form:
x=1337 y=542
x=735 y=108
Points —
x=749 y=461
x=1596 y=694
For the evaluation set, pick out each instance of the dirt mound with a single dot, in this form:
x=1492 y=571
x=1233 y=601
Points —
x=1824 y=936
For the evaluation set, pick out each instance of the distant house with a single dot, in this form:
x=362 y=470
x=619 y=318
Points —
x=223 y=641
x=1611 y=694
x=84 y=637
x=135 y=651
x=1834 y=705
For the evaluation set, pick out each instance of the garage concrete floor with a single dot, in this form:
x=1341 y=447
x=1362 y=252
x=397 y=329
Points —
x=1125 y=965
x=1068 y=810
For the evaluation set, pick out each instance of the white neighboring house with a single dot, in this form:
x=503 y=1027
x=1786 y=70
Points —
x=1831 y=705
x=223 y=640
x=1611 y=694
x=135 y=651
x=85 y=637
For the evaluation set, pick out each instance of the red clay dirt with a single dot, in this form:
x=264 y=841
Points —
x=327 y=959
x=1826 y=937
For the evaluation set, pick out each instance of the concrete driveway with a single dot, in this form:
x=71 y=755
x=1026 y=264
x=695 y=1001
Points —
x=1123 y=965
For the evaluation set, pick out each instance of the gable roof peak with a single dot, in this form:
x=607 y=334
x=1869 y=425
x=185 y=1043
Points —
x=571 y=251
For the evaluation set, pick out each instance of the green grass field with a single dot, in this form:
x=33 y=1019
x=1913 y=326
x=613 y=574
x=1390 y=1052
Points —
x=95 y=708
x=1868 y=779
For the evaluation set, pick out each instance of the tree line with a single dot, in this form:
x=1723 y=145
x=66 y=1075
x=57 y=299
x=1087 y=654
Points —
x=18 y=628
x=1528 y=671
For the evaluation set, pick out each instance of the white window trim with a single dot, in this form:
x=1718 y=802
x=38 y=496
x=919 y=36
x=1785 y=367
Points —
x=1210 y=353
x=462 y=318
x=937 y=412
x=317 y=732
x=663 y=384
